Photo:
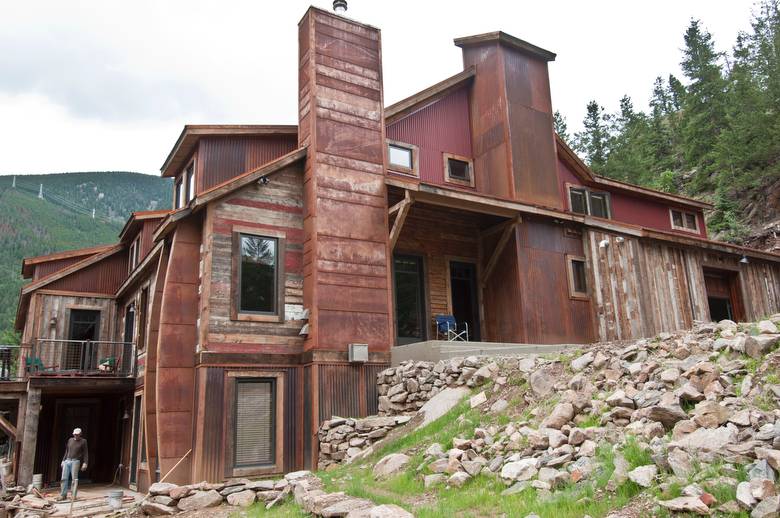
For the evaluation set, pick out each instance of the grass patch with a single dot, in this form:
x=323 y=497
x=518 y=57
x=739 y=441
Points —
x=591 y=421
x=286 y=510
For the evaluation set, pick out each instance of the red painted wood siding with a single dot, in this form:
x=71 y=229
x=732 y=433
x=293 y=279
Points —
x=223 y=158
x=442 y=127
x=630 y=209
x=49 y=267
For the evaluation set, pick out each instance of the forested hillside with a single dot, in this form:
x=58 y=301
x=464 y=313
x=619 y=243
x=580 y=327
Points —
x=62 y=219
x=713 y=134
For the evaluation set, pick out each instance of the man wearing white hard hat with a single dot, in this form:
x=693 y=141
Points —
x=75 y=460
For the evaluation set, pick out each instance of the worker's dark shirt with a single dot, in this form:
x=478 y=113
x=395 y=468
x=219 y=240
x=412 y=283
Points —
x=77 y=449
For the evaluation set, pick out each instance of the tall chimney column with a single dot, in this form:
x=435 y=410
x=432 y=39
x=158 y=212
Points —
x=341 y=119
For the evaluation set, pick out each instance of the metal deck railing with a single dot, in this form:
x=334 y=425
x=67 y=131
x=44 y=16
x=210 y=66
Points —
x=81 y=358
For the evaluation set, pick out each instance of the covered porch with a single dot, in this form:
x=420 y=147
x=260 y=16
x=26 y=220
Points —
x=503 y=275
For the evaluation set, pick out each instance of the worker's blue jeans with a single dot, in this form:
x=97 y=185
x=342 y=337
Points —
x=70 y=473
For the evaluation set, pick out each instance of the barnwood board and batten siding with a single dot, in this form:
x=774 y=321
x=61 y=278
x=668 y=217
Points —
x=642 y=288
x=275 y=210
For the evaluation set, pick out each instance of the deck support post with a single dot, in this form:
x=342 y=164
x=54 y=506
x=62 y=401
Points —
x=29 y=437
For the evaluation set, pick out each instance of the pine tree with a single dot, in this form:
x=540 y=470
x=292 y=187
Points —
x=703 y=114
x=593 y=141
x=560 y=126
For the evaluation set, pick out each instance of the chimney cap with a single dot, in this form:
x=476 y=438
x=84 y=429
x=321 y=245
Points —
x=508 y=40
x=340 y=6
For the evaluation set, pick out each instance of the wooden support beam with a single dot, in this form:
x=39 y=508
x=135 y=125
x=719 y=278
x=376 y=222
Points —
x=7 y=427
x=398 y=224
x=502 y=241
x=498 y=227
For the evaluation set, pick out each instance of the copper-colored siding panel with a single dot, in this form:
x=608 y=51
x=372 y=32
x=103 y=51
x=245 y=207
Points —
x=102 y=277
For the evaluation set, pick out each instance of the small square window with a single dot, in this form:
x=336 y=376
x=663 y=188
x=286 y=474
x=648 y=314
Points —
x=458 y=170
x=400 y=156
x=682 y=220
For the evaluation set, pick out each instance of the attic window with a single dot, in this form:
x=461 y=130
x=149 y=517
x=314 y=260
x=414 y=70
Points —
x=592 y=203
x=179 y=194
x=190 y=181
x=402 y=158
x=134 y=254
x=682 y=220
x=458 y=170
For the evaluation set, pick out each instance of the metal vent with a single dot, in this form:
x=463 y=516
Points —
x=358 y=353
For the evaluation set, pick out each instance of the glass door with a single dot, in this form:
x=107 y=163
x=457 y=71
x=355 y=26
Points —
x=409 y=299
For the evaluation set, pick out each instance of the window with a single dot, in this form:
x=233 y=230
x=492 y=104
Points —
x=458 y=170
x=255 y=423
x=258 y=274
x=401 y=157
x=191 y=181
x=179 y=194
x=134 y=254
x=578 y=283
x=682 y=220
x=592 y=203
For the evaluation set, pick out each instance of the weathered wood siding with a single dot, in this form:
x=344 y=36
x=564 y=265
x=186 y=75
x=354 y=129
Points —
x=276 y=207
x=643 y=287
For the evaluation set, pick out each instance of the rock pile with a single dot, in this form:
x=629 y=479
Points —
x=697 y=403
x=303 y=486
x=342 y=439
x=404 y=389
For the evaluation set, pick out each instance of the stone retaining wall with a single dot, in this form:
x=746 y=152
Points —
x=342 y=439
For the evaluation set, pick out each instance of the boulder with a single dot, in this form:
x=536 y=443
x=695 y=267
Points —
x=433 y=480
x=758 y=346
x=243 y=498
x=458 y=479
x=524 y=469
x=161 y=488
x=686 y=504
x=643 y=475
x=478 y=399
x=667 y=415
x=346 y=506
x=680 y=462
x=767 y=327
x=441 y=403
x=154 y=509
x=583 y=361
x=542 y=382
x=200 y=500
x=767 y=508
x=707 y=439
x=561 y=414
x=390 y=465
x=744 y=496
x=710 y=414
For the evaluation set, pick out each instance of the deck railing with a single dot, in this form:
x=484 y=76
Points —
x=81 y=358
x=9 y=362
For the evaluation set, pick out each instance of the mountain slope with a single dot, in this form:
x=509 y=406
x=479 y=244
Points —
x=62 y=220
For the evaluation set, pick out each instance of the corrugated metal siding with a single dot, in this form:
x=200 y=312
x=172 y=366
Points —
x=348 y=390
x=102 y=277
x=44 y=269
x=442 y=127
x=223 y=158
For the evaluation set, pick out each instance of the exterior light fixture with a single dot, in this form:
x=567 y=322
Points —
x=744 y=260
x=340 y=6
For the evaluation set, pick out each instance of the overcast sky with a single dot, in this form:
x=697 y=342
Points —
x=108 y=84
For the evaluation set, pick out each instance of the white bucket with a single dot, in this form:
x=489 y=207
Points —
x=115 y=498
x=37 y=481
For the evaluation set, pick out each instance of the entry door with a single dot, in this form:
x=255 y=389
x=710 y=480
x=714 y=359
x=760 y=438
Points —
x=409 y=299
x=463 y=293
x=723 y=296
x=84 y=326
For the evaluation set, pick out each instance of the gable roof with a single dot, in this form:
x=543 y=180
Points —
x=433 y=93
x=192 y=133
x=137 y=217
x=29 y=263
x=590 y=178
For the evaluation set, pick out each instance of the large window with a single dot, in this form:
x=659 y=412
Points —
x=255 y=423
x=258 y=274
x=682 y=220
x=593 y=203
x=458 y=170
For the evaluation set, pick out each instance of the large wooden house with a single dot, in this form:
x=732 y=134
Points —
x=212 y=339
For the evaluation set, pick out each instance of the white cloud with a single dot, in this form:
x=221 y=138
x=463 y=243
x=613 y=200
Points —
x=108 y=85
